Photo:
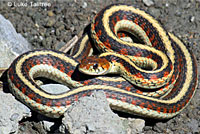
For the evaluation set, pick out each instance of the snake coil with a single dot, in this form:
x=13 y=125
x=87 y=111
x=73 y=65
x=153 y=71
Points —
x=168 y=87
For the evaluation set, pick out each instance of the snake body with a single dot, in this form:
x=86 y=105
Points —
x=168 y=87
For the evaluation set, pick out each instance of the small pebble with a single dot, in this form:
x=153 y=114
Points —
x=37 y=25
x=58 y=23
x=50 y=22
x=178 y=13
x=59 y=45
x=154 y=11
x=50 y=13
x=57 y=32
x=84 y=5
x=61 y=27
x=80 y=16
x=41 y=38
x=192 y=19
x=30 y=13
x=148 y=2
x=188 y=6
x=48 y=42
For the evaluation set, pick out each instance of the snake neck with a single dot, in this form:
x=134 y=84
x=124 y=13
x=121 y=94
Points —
x=115 y=62
x=114 y=68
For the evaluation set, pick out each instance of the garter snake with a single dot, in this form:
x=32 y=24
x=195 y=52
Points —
x=174 y=71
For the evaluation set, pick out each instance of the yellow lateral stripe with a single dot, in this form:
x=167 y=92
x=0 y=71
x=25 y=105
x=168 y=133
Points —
x=161 y=31
x=82 y=45
x=119 y=79
x=131 y=25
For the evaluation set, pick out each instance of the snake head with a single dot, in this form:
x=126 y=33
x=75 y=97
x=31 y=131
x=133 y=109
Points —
x=94 y=65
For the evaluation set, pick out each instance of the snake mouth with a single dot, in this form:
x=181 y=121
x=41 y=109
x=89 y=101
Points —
x=92 y=71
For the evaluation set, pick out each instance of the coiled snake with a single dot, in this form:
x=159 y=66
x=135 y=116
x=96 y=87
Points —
x=158 y=73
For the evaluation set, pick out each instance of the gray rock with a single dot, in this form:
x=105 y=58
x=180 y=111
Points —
x=55 y=88
x=12 y=44
x=11 y=112
x=148 y=2
x=194 y=125
x=159 y=127
x=134 y=126
x=92 y=115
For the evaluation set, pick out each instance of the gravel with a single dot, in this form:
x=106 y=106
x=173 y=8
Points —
x=48 y=26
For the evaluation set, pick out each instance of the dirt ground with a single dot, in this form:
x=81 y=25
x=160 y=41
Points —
x=54 y=24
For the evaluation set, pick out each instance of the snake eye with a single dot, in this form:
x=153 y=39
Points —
x=95 y=66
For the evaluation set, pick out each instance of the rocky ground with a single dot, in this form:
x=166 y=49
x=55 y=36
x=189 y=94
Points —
x=54 y=24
